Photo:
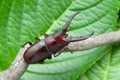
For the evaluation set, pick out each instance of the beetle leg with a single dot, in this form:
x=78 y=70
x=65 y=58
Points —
x=65 y=29
x=80 y=38
x=37 y=39
x=44 y=34
x=50 y=57
x=57 y=54
x=41 y=62
x=68 y=49
x=30 y=43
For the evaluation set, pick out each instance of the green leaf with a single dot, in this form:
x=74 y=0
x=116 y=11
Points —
x=108 y=68
x=22 y=20
x=118 y=22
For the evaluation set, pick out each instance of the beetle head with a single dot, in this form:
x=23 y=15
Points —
x=61 y=36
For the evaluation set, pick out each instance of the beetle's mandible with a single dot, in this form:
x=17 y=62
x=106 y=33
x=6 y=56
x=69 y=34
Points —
x=51 y=45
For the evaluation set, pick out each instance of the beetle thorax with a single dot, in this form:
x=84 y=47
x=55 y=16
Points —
x=56 y=41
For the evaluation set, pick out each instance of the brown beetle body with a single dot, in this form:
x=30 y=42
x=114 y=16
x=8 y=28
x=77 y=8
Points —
x=45 y=48
x=51 y=45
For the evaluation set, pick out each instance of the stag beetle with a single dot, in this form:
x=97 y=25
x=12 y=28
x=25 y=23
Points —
x=53 y=44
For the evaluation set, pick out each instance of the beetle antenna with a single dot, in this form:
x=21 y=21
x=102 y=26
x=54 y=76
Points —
x=65 y=29
x=80 y=38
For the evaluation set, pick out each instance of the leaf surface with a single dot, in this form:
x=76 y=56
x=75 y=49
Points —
x=22 y=20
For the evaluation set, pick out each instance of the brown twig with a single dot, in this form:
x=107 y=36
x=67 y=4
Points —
x=18 y=67
x=95 y=41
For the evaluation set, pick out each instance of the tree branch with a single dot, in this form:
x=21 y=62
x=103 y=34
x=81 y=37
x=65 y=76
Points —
x=95 y=41
x=18 y=67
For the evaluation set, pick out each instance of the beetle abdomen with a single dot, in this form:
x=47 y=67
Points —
x=37 y=52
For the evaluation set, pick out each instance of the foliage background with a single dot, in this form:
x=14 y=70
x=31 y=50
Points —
x=22 y=20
